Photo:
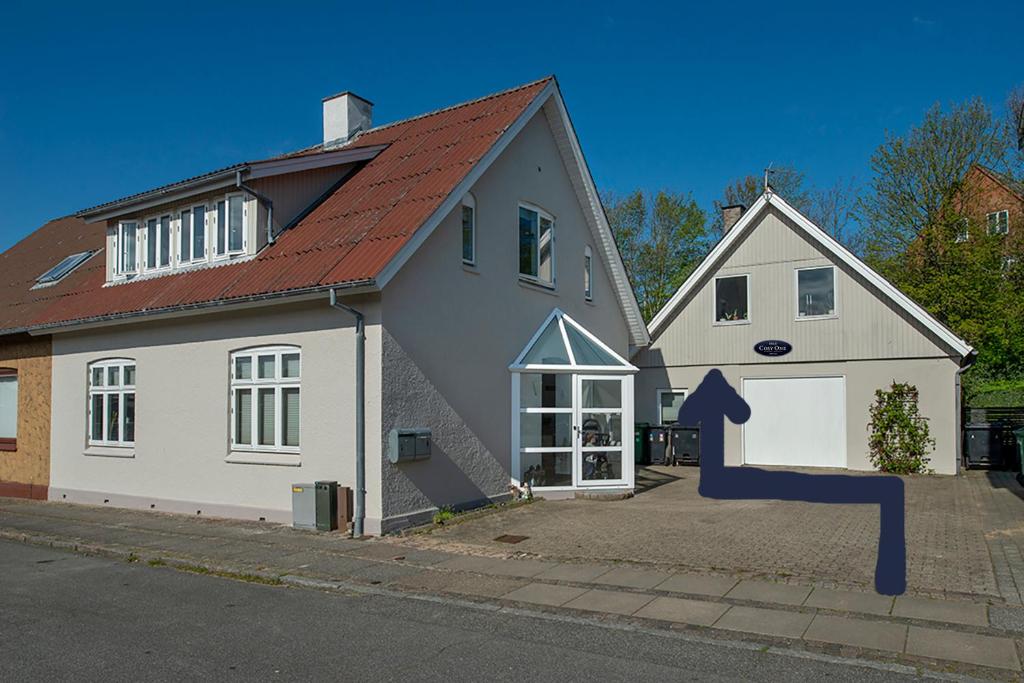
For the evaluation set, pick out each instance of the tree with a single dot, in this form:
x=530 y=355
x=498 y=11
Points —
x=662 y=238
x=1015 y=114
x=917 y=176
x=833 y=209
x=785 y=181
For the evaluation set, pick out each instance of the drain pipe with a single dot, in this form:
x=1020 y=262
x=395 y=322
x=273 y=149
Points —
x=967 y=363
x=359 y=511
x=260 y=198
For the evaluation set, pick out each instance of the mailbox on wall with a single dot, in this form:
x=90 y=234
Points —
x=406 y=445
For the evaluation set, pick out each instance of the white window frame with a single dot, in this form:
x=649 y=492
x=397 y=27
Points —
x=278 y=383
x=10 y=443
x=159 y=243
x=541 y=213
x=468 y=202
x=122 y=230
x=662 y=392
x=588 y=273
x=228 y=251
x=121 y=390
x=190 y=238
x=714 y=301
x=1002 y=213
x=835 y=294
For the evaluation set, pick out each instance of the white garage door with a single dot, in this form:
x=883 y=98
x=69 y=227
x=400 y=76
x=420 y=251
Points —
x=795 y=421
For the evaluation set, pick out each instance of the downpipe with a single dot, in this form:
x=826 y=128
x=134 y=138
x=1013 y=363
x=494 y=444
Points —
x=968 y=362
x=359 y=506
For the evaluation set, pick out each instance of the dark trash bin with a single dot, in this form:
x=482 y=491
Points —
x=657 y=445
x=326 y=505
x=986 y=445
x=685 y=445
x=641 y=456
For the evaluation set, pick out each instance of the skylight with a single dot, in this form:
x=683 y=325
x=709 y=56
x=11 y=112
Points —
x=63 y=268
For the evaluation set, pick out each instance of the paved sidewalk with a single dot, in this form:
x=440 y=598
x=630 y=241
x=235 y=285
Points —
x=971 y=637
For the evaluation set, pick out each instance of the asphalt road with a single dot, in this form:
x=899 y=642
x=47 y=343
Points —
x=69 y=617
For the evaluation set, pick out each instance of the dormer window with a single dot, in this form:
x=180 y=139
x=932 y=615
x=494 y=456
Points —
x=236 y=221
x=192 y=234
x=127 y=252
x=158 y=242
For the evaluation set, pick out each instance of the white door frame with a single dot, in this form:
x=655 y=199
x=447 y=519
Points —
x=625 y=448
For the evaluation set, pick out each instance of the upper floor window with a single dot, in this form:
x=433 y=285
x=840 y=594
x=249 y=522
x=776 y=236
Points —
x=236 y=223
x=469 y=230
x=963 y=232
x=111 y=408
x=265 y=398
x=816 y=292
x=192 y=234
x=732 y=299
x=536 y=245
x=998 y=222
x=588 y=274
x=127 y=251
x=8 y=409
x=158 y=242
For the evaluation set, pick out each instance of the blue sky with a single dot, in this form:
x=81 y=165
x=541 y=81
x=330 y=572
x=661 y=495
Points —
x=102 y=100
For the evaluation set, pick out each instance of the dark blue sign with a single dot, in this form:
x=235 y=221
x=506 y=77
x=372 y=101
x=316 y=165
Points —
x=773 y=347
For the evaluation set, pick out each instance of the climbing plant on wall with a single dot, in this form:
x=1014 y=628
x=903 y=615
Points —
x=899 y=440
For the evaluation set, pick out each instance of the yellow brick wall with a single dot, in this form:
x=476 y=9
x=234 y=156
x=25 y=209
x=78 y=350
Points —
x=30 y=463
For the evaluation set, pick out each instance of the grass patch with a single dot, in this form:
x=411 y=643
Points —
x=447 y=516
x=223 y=574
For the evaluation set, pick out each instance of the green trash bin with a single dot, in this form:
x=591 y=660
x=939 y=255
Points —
x=641 y=452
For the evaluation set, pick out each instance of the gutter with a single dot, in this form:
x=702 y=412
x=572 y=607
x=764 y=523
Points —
x=968 y=361
x=260 y=198
x=219 y=304
x=359 y=511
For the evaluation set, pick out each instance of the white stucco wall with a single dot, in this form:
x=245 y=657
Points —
x=179 y=462
x=452 y=331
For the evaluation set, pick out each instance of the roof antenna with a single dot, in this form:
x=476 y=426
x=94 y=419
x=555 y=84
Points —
x=767 y=172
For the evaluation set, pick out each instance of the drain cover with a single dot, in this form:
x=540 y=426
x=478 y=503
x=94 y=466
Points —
x=509 y=538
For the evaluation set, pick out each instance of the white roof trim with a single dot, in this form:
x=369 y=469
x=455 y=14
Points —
x=586 y=193
x=838 y=251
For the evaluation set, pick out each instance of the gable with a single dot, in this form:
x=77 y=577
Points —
x=874 y=320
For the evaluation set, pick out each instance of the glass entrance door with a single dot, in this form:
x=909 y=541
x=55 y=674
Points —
x=601 y=413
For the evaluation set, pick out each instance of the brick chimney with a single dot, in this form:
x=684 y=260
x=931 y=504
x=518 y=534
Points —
x=730 y=215
x=345 y=114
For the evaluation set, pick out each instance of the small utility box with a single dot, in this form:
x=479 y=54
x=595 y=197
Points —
x=304 y=506
x=406 y=445
x=326 y=505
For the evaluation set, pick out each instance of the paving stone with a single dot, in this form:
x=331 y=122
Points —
x=877 y=635
x=385 y=572
x=849 y=601
x=497 y=566
x=1007 y=618
x=583 y=573
x=323 y=566
x=545 y=594
x=632 y=578
x=698 y=584
x=463 y=584
x=387 y=551
x=940 y=610
x=696 y=612
x=963 y=647
x=763 y=591
x=769 y=622
x=614 y=602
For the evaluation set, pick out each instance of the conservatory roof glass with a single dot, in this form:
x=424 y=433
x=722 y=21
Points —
x=563 y=343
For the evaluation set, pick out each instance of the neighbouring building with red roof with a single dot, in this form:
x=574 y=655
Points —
x=430 y=310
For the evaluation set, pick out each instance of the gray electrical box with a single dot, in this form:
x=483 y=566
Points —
x=304 y=506
x=406 y=445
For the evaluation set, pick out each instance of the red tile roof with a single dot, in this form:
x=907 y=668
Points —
x=345 y=240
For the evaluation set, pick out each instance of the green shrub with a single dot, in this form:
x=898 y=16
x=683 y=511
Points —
x=444 y=514
x=899 y=442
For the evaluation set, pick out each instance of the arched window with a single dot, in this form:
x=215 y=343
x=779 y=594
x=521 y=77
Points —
x=8 y=409
x=265 y=399
x=111 y=409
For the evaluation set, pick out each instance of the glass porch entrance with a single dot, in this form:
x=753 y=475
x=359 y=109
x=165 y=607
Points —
x=572 y=410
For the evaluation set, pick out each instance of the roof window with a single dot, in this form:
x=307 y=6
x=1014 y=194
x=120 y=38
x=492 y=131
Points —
x=55 y=274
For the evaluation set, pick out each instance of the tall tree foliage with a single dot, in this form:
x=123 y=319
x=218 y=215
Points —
x=787 y=182
x=916 y=176
x=662 y=238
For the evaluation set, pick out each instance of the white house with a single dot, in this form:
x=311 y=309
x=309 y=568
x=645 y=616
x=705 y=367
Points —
x=226 y=336
x=807 y=333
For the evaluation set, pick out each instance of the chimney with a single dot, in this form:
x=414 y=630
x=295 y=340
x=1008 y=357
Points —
x=345 y=114
x=730 y=215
